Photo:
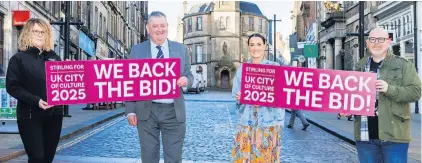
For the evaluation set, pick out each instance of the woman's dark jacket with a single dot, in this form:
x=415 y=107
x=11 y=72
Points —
x=26 y=81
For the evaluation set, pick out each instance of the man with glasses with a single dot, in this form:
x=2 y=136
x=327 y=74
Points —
x=385 y=136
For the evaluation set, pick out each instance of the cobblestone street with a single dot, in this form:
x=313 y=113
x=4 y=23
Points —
x=210 y=130
x=72 y=71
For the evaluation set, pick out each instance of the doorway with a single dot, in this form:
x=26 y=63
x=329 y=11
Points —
x=225 y=79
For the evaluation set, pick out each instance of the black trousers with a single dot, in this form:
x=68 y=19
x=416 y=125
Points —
x=40 y=137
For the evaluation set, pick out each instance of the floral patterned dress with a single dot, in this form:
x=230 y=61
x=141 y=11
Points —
x=258 y=135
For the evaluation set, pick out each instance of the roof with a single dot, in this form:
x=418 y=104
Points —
x=250 y=8
x=245 y=8
x=200 y=8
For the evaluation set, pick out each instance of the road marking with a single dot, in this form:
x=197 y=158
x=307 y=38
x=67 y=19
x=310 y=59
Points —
x=89 y=134
x=349 y=147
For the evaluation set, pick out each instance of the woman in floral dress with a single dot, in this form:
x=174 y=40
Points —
x=258 y=136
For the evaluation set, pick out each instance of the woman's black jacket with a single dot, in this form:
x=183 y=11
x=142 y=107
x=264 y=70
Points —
x=26 y=81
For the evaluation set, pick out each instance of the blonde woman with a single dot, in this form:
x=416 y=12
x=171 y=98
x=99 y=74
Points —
x=39 y=124
x=259 y=128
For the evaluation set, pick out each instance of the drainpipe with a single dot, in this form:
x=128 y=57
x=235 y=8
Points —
x=415 y=44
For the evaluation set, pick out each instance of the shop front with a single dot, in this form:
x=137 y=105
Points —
x=87 y=46
x=102 y=51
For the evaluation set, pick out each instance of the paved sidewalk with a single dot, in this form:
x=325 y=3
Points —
x=344 y=129
x=81 y=120
x=71 y=159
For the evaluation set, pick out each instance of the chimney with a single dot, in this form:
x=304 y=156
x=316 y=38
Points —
x=185 y=7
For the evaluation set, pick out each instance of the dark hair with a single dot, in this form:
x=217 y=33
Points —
x=257 y=35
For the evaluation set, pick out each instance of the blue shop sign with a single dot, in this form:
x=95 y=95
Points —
x=86 y=44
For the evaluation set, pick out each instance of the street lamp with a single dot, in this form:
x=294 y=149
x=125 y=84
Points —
x=274 y=39
x=66 y=24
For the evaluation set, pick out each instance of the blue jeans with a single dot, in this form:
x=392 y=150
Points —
x=378 y=151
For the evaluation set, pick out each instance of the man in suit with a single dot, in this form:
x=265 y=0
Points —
x=165 y=116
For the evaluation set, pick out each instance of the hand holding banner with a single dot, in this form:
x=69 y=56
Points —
x=308 y=89
x=73 y=82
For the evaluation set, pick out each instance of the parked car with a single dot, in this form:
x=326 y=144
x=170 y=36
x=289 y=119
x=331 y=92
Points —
x=199 y=79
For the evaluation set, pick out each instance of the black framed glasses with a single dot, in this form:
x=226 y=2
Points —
x=38 y=33
x=378 y=39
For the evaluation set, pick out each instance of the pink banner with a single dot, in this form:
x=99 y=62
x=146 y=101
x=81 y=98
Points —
x=308 y=89
x=76 y=82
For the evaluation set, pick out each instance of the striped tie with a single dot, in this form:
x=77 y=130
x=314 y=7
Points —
x=160 y=52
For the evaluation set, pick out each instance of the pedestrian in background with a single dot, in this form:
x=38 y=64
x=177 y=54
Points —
x=282 y=61
x=258 y=136
x=349 y=117
x=39 y=124
x=298 y=113
x=385 y=137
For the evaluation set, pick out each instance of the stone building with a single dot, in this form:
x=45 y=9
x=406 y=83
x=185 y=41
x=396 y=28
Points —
x=351 y=44
x=304 y=23
x=216 y=35
x=338 y=50
x=397 y=17
x=331 y=37
x=309 y=34
x=108 y=27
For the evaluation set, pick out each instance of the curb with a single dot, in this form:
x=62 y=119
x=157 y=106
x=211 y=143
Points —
x=218 y=89
x=13 y=153
x=349 y=138
x=68 y=132
x=200 y=100
x=71 y=131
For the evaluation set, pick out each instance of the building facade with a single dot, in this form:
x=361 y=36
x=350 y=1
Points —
x=282 y=45
x=125 y=25
x=216 y=35
x=304 y=31
x=331 y=37
x=351 y=43
x=419 y=44
x=87 y=41
x=397 y=17
x=6 y=32
x=296 y=18
x=309 y=35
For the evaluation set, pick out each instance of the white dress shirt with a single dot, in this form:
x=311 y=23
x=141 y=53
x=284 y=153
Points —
x=154 y=53
x=166 y=53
